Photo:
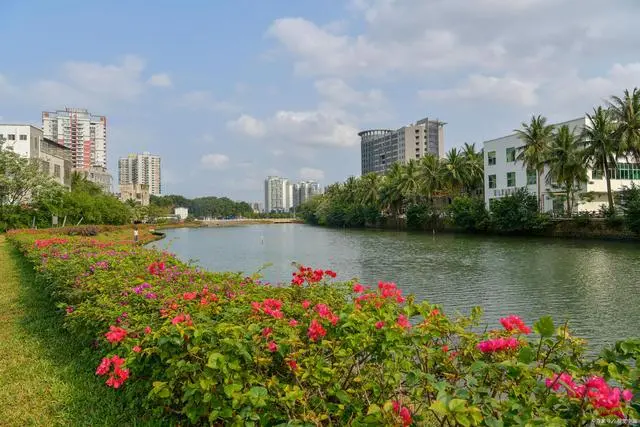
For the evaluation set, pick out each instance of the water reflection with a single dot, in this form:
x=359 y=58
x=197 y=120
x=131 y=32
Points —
x=592 y=284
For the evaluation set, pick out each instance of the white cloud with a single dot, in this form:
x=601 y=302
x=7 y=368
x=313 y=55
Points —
x=215 y=161
x=247 y=125
x=205 y=101
x=311 y=174
x=313 y=128
x=160 y=80
x=337 y=92
x=506 y=90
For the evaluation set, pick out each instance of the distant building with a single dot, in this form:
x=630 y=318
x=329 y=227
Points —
x=181 y=213
x=503 y=174
x=139 y=193
x=304 y=191
x=82 y=132
x=141 y=169
x=99 y=176
x=29 y=141
x=380 y=148
x=278 y=194
x=256 y=207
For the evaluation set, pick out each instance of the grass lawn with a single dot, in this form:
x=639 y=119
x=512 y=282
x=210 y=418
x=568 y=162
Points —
x=43 y=380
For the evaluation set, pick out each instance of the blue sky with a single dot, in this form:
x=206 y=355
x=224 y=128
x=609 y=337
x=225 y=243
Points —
x=228 y=92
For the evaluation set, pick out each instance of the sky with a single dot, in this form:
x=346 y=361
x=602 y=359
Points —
x=228 y=92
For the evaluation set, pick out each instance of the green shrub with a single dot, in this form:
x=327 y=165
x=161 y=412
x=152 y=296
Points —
x=518 y=213
x=222 y=349
x=469 y=214
x=423 y=216
x=631 y=207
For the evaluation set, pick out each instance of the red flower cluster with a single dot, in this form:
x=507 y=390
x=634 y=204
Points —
x=596 y=389
x=390 y=290
x=403 y=412
x=182 y=318
x=316 y=331
x=272 y=346
x=116 y=377
x=272 y=307
x=309 y=275
x=358 y=288
x=498 y=344
x=115 y=334
x=403 y=322
x=325 y=312
x=45 y=243
x=515 y=323
x=188 y=296
x=156 y=268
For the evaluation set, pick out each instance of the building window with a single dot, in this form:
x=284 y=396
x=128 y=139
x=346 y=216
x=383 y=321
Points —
x=492 y=181
x=56 y=171
x=511 y=154
x=532 y=177
x=511 y=179
x=23 y=137
x=491 y=158
x=11 y=137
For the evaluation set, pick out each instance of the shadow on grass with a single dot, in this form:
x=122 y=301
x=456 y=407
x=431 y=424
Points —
x=86 y=401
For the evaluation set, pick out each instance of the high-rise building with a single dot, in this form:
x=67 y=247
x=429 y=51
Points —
x=278 y=194
x=380 y=148
x=304 y=191
x=82 y=132
x=141 y=169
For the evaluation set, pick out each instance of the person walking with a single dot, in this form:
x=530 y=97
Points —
x=135 y=234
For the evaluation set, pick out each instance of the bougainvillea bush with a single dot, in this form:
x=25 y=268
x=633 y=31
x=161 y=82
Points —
x=224 y=349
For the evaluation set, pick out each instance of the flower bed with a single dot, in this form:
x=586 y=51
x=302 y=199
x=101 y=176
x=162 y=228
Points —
x=221 y=348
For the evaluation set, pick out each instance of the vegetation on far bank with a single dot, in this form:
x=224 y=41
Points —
x=188 y=346
x=430 y=192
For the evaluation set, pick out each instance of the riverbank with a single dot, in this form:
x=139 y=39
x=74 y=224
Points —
x=230 y=223
x=44 y=379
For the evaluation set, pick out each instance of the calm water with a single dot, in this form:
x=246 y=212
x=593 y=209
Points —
x=595 y=285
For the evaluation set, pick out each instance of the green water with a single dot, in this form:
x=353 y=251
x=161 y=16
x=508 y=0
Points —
x=595 y=285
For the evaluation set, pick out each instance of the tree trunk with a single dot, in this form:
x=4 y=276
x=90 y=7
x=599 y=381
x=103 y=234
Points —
x=569 y=207
x=540 y=201
x=609 y=195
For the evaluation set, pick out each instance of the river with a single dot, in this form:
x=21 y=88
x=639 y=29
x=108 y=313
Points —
x=594 y=285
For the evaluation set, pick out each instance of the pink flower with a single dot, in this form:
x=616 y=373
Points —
x=358 y=288
x=137 y=349
x=115 y=334
x=104 y=366
x=147 y=330
x=272 y=346
x=379 y=324
x=293 y=365
x=306 y=304
x=293 y=323
x=513 y=322
x=316 y=331
x=69 y=309
x=497 y=344
x=188 y=296
x=627 y=395
x=330 y=273
x=266 y=332
x=403 y=322
x=403 y=412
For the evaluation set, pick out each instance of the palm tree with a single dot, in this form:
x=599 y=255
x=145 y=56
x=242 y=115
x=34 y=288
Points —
x=536 y=136
x=455 y=172
x=370 y=185
x=430 y=172
x=566 y=164
x=601 y=146
x=391 y=194
x=410 y=181
x=625 y=113
x=475 y=167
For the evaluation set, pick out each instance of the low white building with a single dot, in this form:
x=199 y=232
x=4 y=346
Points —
x=503 y=174
x=181 y=213
x=29 y=141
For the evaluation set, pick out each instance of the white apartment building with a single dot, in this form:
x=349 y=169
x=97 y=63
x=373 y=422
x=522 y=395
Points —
x=98 y=175
x=380 y=148
x=28 y=141
x=82 y=132
x=278 y=194
x=181 y=213
x=503 y=174
x=304 y=191
x=141 y=169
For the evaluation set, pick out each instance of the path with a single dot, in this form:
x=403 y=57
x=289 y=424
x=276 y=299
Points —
x=42 y=379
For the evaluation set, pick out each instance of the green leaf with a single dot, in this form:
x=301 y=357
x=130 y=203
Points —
x=258 y=392
x=492 y=422
x=463 y=420
x=544 y=326
x=456 y=405
x=373 y=409
x=439 y=408
x=526 y=355
x=342 y=396
x=216 y=361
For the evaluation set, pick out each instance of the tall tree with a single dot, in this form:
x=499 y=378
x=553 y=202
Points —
x=625 y=113
x=567 y=168
x=475 y=168
x=369 y=189
x=410 y=181
x=455 y=172
x=391 y=190
x=431 y=173
x=601 y=146
x=536 y=137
